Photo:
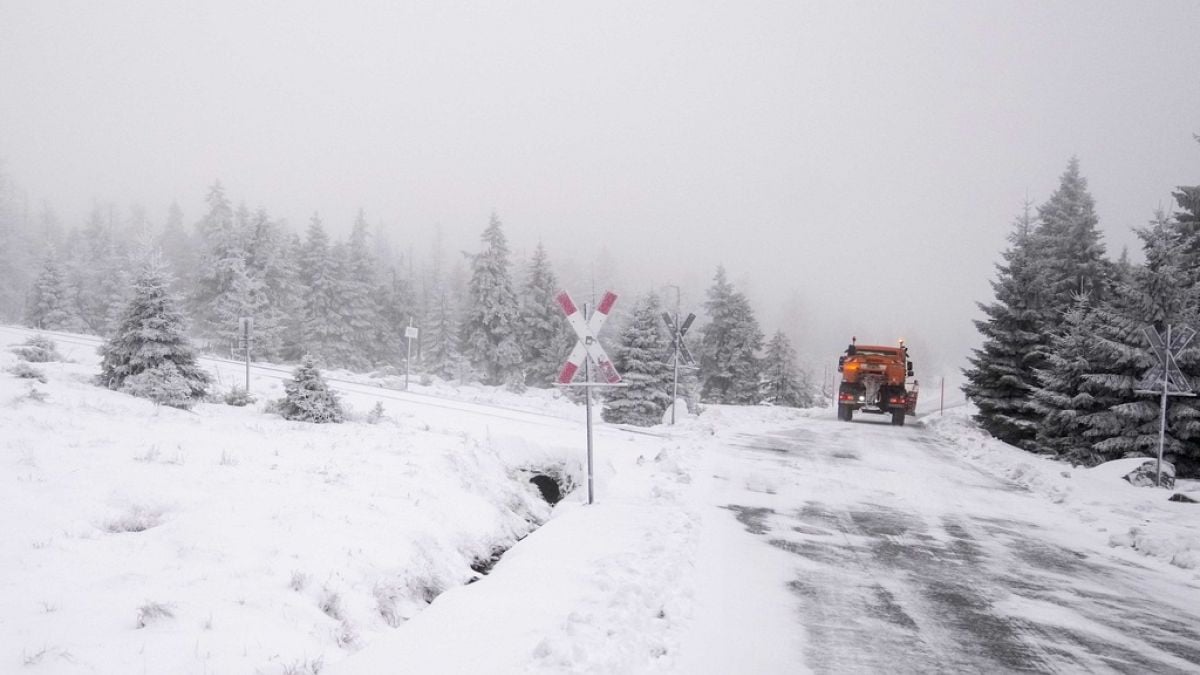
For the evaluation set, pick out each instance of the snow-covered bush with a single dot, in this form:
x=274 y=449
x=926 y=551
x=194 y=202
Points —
x=376 y=413
x=239 y=397
x=38 y=349
x=149 y=355
x=164 y=385
x=309 y=398
x=152 y=612
x=25 y=371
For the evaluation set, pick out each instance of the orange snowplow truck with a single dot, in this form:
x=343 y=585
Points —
x=875 y=380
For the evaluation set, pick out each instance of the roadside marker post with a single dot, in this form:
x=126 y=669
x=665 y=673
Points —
x=245 y=340
x=588 y=352
x=410 y=334
x=1165 y=378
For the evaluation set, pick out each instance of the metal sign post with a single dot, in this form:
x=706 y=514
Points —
x=1165 y=379
x=678 y=349
x=587 y=352
x=410 y=334
x=245 y=339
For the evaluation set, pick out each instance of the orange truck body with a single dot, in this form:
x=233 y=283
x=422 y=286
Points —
x=875 y=379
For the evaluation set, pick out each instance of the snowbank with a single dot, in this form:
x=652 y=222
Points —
x=146 y=539
x=1140 y=519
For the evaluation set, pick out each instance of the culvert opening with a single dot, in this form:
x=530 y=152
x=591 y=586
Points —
x=549 y=488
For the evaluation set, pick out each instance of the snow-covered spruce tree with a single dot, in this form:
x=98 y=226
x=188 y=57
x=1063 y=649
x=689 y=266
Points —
x=1153 y=296
x=1068 y=247
x=369 y=338
x=783 y=383
x=1002 y=376
x=309 y=398
x=50 y=306
x=149 y=354
x=1068 y=391
x=639 y=359
x=545 y=336
x=273 y=274
x=440 y=354
x=178 y=251
x=490 y=337
x=322 y=330
x=222 y=244
x=729 y=364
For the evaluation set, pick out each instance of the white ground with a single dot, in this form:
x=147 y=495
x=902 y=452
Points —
x=138 y=539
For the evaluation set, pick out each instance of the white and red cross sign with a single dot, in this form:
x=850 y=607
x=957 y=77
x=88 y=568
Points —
x=588 y=346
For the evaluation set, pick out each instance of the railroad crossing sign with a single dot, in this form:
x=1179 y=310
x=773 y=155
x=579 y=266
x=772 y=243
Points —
x=1165 y=376
x=588 y=346
x=679 y=348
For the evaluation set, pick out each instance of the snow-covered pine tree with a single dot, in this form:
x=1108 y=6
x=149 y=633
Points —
x=729 y=364
x=1068 y=390
x=639 y=359
x=545 y=335
x=149 y=354
x=367 y=335
x=1068 y=247
x=273 y=272
x=490 y=337
x=783 y=383
x=1154 y=296
x=440 y=328
x=1002 y=376
x=178 y=250
x=50 y=306
x=309 y=398
x=322 y=330
x=222 y=246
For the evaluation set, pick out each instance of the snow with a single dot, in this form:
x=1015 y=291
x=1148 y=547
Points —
x=146 y=539
x=1140 y=519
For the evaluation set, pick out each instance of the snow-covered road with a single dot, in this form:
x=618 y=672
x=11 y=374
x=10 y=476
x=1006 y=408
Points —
x=902 y=557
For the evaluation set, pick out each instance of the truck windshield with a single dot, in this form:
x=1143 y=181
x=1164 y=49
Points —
x=874 y=352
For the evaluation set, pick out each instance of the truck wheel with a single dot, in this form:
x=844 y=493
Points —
x=898 y=417
x=845 y=412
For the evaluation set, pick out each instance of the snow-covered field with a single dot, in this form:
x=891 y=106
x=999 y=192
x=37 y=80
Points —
x=226 y=540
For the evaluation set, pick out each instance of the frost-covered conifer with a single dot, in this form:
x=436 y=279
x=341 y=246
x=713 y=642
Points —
x=222 y=243
x=545 y=335
x=50 y=306
x=369 y=337
x=729 y=364
x=1068 y=246
x=639 y=359
x=1069 y=393
x=309 y=398
x=322 y=329
x=149 y=354
x=490 y=338
x=1153 y=297
x=783 y=383
x=271 y=271
x=1002 y=376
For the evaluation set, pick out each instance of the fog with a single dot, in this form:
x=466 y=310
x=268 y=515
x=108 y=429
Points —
x=855 y=166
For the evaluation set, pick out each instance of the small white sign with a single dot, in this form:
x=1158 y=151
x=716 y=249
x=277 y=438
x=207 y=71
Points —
x=411 y=332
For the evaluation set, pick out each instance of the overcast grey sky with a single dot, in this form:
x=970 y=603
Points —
x=862 y=161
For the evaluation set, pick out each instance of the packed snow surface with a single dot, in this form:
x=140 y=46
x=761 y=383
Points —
x=227 y=540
